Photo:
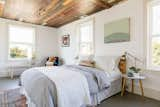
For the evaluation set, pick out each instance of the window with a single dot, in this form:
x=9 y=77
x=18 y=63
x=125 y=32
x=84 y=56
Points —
x=86 y=38
x=21 y=42
x=154 y=35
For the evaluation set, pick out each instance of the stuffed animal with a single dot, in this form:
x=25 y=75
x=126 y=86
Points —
x=52 y=61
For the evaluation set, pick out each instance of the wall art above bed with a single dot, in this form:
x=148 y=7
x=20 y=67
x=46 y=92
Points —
x=117 y=31
x=65 y=40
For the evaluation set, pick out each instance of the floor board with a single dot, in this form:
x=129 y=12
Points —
x=129 y=100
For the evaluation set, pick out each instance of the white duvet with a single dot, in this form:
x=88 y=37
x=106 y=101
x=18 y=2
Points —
x=72 y=87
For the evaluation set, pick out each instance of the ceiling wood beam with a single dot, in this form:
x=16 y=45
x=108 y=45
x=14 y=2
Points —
x=60 y=20
x=116 y=2
x=59 y=12
x=66 y=2
x=46 y=10
x=52 y=12
x=101 y=3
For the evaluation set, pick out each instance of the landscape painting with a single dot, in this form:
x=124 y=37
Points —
x=117 y=31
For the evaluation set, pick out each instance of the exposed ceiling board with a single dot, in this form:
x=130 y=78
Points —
x=54 y=13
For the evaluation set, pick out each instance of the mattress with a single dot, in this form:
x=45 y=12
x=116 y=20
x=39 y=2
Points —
x=115 y=78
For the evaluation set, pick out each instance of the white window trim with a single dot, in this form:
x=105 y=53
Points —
x=78 y=33
x=150 y=66
x=31 y=44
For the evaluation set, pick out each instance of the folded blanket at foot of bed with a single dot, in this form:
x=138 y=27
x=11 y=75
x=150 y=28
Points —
x=98 y=80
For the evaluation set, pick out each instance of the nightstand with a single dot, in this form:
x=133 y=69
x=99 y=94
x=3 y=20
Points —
x=125 y=78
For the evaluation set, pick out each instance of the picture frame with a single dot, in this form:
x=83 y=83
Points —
x=66 y=40
x=117 y=31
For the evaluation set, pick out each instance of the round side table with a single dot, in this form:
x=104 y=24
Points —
x=125 y=78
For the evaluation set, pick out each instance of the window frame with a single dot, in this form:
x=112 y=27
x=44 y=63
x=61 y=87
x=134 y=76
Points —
x=150 y=66
x=21 y=43
x=93 y=36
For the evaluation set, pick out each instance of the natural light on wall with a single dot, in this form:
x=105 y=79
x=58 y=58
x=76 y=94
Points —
x=154 y=35
x=21 y=42
x=86 y=38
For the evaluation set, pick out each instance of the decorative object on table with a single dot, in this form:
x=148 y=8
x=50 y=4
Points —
x=52 y=61
x=12 y=98
x=117 y=31
x=130 y=74
x=65 y=40
x=126 y=77
x=122 y=64
x=134 y=69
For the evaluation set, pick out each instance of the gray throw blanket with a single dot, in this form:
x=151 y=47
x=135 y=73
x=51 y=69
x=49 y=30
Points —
x=39 y=88
x=97 y=79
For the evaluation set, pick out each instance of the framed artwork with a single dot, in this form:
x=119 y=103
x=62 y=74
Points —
x=117 y=31
x=65 y=40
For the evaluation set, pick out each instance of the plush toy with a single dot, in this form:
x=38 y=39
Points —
x=52 y=61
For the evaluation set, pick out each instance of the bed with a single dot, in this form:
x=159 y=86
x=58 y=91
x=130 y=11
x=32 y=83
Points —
x=109 y=80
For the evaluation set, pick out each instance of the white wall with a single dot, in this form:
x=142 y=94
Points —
x=132 y=9
x=46 y=42
x=135 y=10
x=68 y=53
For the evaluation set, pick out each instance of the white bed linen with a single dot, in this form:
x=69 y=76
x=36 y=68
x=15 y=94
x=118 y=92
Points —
x=72 y=87
x=115 y=78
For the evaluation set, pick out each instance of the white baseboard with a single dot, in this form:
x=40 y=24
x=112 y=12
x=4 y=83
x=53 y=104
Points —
x=148 y=92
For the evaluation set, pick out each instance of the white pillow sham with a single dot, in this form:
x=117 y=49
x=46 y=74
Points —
x=107 y=63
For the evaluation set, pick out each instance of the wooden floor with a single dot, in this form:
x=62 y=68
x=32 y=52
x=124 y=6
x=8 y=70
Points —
x=129 y=100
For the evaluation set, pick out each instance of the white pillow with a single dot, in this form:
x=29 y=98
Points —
x=87 y=63
x=89 y=57
x=84 y=58
x=106 y=63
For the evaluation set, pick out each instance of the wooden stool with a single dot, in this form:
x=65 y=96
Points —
x=139 y=78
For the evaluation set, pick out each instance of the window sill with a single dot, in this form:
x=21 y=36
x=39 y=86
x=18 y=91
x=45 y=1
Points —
x=19 y=59
x=156 y=69
x=19 y=62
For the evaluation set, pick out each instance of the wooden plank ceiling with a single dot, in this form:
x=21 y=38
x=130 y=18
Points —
x=54 y=13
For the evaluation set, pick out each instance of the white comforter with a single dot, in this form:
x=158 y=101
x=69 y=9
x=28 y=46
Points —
x=72 y=87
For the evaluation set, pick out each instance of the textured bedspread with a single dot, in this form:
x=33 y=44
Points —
x=97 y=80
x=37 y=84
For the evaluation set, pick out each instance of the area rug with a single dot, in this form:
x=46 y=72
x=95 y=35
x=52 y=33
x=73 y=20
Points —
x=12 y=98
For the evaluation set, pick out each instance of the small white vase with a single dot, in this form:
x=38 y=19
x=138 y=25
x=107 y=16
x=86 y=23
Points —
x=136 y=74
